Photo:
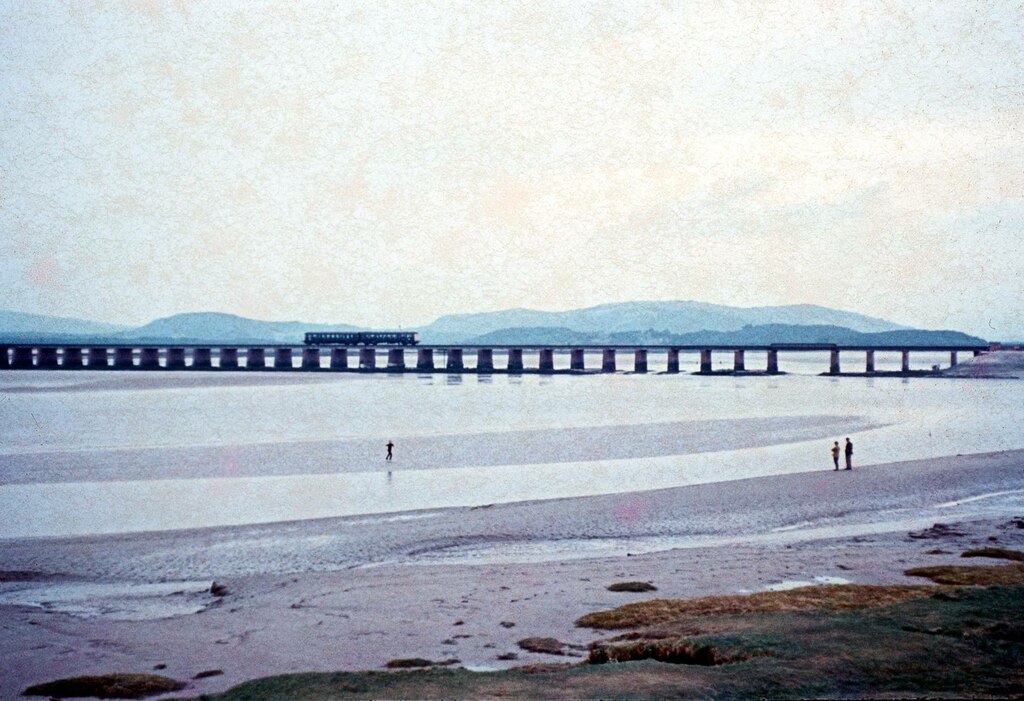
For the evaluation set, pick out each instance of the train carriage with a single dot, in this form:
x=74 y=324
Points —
x=362 y=338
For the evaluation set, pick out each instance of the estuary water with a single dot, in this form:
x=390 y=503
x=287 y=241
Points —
x=116 y=452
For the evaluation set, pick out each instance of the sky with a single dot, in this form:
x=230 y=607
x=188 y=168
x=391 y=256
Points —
x=384 y=163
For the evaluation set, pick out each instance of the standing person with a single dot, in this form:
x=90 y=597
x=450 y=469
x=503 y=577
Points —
x=849 y=454
x=392 y=445
x=835 y=454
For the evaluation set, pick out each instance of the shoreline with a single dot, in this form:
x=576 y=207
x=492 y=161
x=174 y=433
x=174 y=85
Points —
x=294 y=603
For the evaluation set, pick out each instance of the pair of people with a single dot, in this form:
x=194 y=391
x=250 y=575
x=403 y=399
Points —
x=849 y=454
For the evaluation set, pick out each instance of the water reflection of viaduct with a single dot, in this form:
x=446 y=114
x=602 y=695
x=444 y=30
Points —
x=435 y=358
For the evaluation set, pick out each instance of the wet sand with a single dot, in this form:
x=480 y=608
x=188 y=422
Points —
x=352 y=593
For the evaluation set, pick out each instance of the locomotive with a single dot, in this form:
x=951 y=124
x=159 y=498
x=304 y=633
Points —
x=362 y=338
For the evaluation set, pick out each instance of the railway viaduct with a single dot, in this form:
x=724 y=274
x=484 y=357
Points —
x=434 y=358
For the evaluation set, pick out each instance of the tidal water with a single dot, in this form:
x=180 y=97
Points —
x=48 y=417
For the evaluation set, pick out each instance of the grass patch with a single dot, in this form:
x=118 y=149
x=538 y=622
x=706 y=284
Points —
x=670 y=651
x=418 y=662
x=107 y=686
x=996 y=553
x=834 y=597
x=958 y=575
x=632 y=586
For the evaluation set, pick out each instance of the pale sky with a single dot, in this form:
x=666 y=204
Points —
x=385 y=163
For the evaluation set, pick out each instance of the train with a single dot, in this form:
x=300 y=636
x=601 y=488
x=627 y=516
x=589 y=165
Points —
x=362 y=338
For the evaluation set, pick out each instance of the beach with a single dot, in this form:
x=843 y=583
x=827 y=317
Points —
x=468 y=583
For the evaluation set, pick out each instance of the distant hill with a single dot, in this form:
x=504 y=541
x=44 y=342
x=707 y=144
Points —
x=33 y=325
x=677 y=317
x=764 y=334
x=200 y=327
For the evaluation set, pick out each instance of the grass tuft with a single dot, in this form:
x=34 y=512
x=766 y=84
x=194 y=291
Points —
x=671 y=651
x=995 y=553
x=833 y=597
x=107 y=686
x=958 y=575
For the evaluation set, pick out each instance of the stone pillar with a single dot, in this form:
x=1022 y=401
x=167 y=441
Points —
x=201 y=359
x=149 y=358
x=485 y=360
x=22 y=358
x=576 y=359
x=640 y=360
x=310 y=358
x=869 y=361
x=773 y=362
x=705 y=361
x=833 y=362
x=367 y=358
x=396 y=359
x=608 y=360
x=906 y=361
x=72 y=358
x=952 y=358
x=425 y=359
x=455 y=359
x=175 y=358
x=738 y=361
x=283 y=359
x=5 y=360
x=339 y=359
x=228 y=359
x=672 y=360
x=546 y=360
x=48 y=358
x=123 y=359
x=515 y=359
x=255 y=359
x=97 y=357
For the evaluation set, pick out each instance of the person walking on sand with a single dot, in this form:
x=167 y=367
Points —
x=392 y=445
x=849 y=454
x=835 y=454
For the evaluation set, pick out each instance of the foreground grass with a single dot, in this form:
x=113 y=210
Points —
x=944 y=641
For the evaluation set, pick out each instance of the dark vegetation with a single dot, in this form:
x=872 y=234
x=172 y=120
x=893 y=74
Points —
x=995 y=553
x=107 y=686
x=632 y=586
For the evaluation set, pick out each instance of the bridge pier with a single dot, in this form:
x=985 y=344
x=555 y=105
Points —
x=640 y=360
x=339 y=359
x=869 y=362
x=201 y=359
x=977 y=353
x=576 y=359
x=833 y=362
x=72 y=358
x=48 y=358
x=455 y=360
x=149 y=359
x=228 y=359
x=367 y=358
x=608 y=360
x=97 y=358
x=705 y=362
x=672 y=361
x=175 y=358
x=738 y=361
x=124 y=358
x=283 y=359
x=515 y=359
x=485 y=360
x=310 y=358
x=22 y=359
x=5 y=360
x=952 y=358
x=773 y=362
x=425 y=359
x=906 y=361
x=546 y=360
x=256 y=359
x=396 y=359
